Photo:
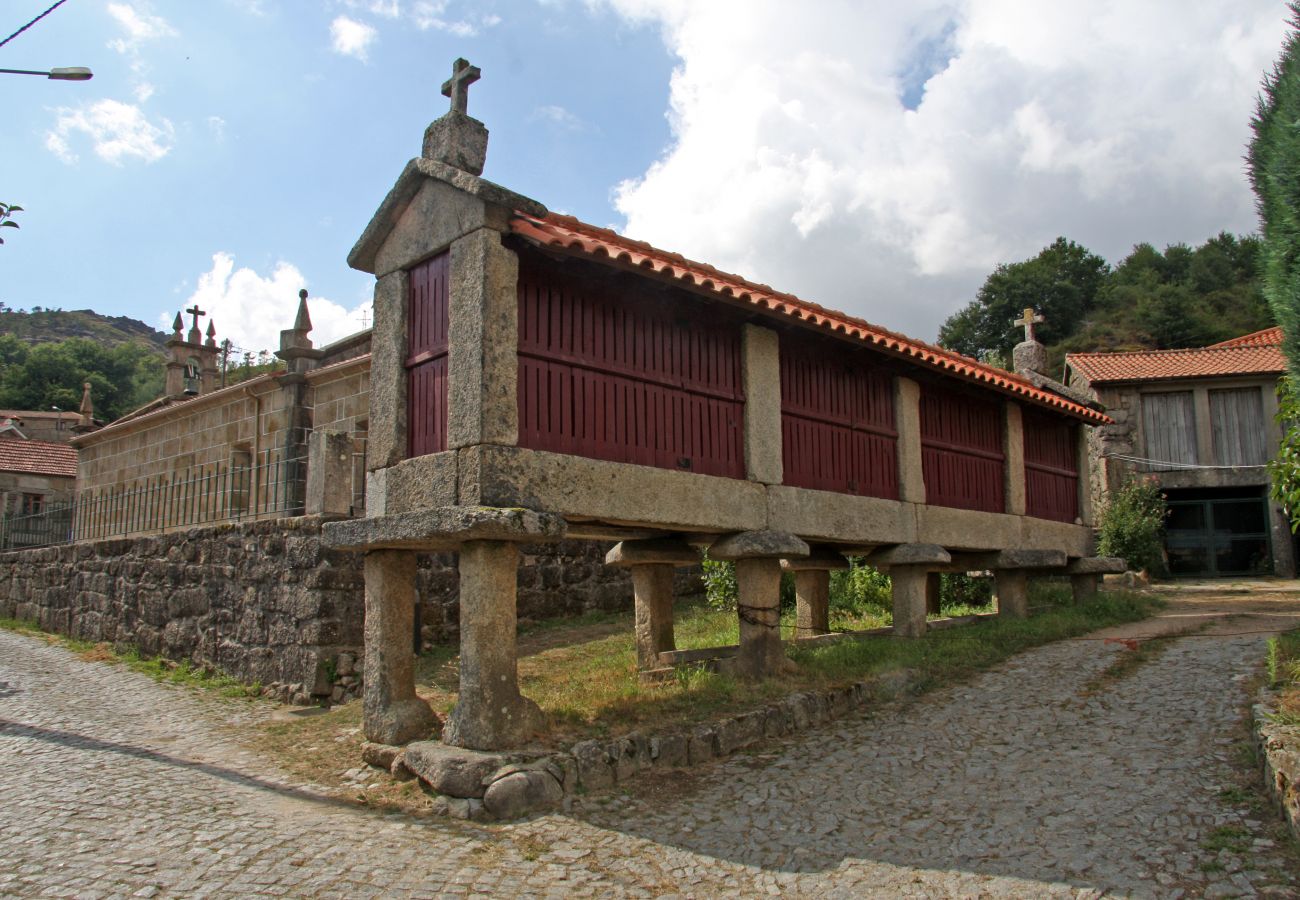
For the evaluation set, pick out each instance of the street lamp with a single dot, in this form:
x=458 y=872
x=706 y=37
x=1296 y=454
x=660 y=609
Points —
x=69 y=73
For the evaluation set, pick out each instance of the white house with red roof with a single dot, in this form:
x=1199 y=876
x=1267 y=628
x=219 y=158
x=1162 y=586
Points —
x=1202 y=422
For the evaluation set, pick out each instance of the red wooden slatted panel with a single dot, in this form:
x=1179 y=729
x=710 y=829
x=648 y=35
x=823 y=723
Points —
x=1051 y=467
x=837 y=420
x=961 y=450
x=426 y=356
x=632 y=378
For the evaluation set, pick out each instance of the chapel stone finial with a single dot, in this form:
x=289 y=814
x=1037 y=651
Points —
x=177 y=324
x=457 y=86
x=1029 y=356
x=456 y=138
x=302 y=321
x=212 y=334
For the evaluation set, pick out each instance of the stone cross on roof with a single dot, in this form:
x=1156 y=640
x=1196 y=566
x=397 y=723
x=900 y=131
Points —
x=457 y=87
x=1028 y=320
x=195 y=312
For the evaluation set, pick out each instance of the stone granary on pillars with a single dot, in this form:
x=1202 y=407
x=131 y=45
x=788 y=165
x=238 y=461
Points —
x=534 y=376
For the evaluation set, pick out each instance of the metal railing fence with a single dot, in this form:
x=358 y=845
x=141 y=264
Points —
x=270 y=487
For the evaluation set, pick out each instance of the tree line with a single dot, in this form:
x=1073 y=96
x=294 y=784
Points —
x=1152 y=299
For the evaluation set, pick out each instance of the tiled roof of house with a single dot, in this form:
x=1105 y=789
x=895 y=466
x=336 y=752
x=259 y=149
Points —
x=37 y=458
x=570 y=235
x=1269 y=337
x=1251 y=354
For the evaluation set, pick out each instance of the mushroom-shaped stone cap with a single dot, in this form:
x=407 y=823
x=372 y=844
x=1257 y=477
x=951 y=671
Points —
x=818 y=560
x=656 y=551
x=758 y=545
x=1097 y=565
x=910 y=555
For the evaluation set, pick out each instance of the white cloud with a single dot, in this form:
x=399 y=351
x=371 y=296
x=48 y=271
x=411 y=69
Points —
x=116 y=130
x=253 y=309
x=352 y=38
x=140 y=26
x=796 y=161
x=143 y=91
x=557 y=116
x=217 y=126
x=431 y=14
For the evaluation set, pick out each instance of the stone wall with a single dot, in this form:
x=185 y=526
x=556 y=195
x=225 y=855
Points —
x=265 y=602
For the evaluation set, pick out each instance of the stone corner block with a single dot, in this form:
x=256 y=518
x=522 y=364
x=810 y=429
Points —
x=758 y=545
x=458 y=140
x=452 y=771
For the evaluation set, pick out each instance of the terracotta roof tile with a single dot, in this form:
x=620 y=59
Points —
x=1269 y=337
x=573 y=236
x=1205 y=362
x=38 y=458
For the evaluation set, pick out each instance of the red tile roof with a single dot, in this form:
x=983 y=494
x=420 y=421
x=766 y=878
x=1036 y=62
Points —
x=570 y=235
x=37 y=457
x=1269 y=337
x=1228 y=358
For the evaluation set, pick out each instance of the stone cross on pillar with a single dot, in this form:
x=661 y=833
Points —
x=1029 y=357
x=1027 y=321
x=457 y=139
x=457 y=87
x=194 y=336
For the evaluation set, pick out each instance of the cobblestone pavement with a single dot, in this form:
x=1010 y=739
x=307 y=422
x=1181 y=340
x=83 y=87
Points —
x=1014 y=784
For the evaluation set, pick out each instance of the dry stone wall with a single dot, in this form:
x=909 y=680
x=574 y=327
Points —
x=266 y=602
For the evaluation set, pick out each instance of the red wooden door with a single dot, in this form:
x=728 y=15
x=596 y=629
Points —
x=961 y=449
x=837 y=420
x=1051 y=467
x=426 y=356
x=627 y=376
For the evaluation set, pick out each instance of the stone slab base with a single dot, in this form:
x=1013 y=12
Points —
x=1279 y=755
x=480 y=785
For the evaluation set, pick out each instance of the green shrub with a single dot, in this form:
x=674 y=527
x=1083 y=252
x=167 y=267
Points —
x=860 y=588
x=1133 y=525
x=960 y=589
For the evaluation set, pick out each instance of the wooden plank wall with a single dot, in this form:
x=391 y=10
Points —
x=613 y=374
x=837 y=420
x=426 y=356
x=1051 y=466
x=961 y=449
x=1169 y=429
x=1238 y=427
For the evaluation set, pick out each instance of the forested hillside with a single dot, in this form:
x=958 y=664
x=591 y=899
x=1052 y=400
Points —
x=46 y=356
x=1179 y=297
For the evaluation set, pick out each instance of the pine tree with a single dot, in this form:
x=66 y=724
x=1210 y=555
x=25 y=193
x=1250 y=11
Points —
x=1274 y=166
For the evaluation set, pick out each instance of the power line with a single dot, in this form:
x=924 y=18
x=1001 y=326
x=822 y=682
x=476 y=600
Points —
x=33 y=22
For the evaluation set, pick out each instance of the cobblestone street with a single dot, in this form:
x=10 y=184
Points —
x=1014 y=784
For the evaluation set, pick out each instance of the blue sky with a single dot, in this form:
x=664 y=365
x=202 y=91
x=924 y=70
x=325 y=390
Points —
x=876 y=159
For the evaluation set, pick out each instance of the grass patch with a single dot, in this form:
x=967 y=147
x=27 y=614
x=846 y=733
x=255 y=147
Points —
x=1232 y=838
x=1139 y=653
x=590 y=688
x=158 y=668
x=1283 y=662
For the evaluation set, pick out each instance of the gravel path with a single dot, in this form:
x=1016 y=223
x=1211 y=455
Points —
x=1014 y=784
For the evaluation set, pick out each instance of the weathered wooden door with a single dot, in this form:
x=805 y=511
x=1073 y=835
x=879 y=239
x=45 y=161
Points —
x=426 y=356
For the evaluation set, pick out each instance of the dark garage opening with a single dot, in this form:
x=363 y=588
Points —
x=1217 y=531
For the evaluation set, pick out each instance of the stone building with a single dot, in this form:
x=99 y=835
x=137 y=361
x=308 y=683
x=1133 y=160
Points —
x=1202 y=423
x=37 y=425
x=534 y=377
x=35 y=477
